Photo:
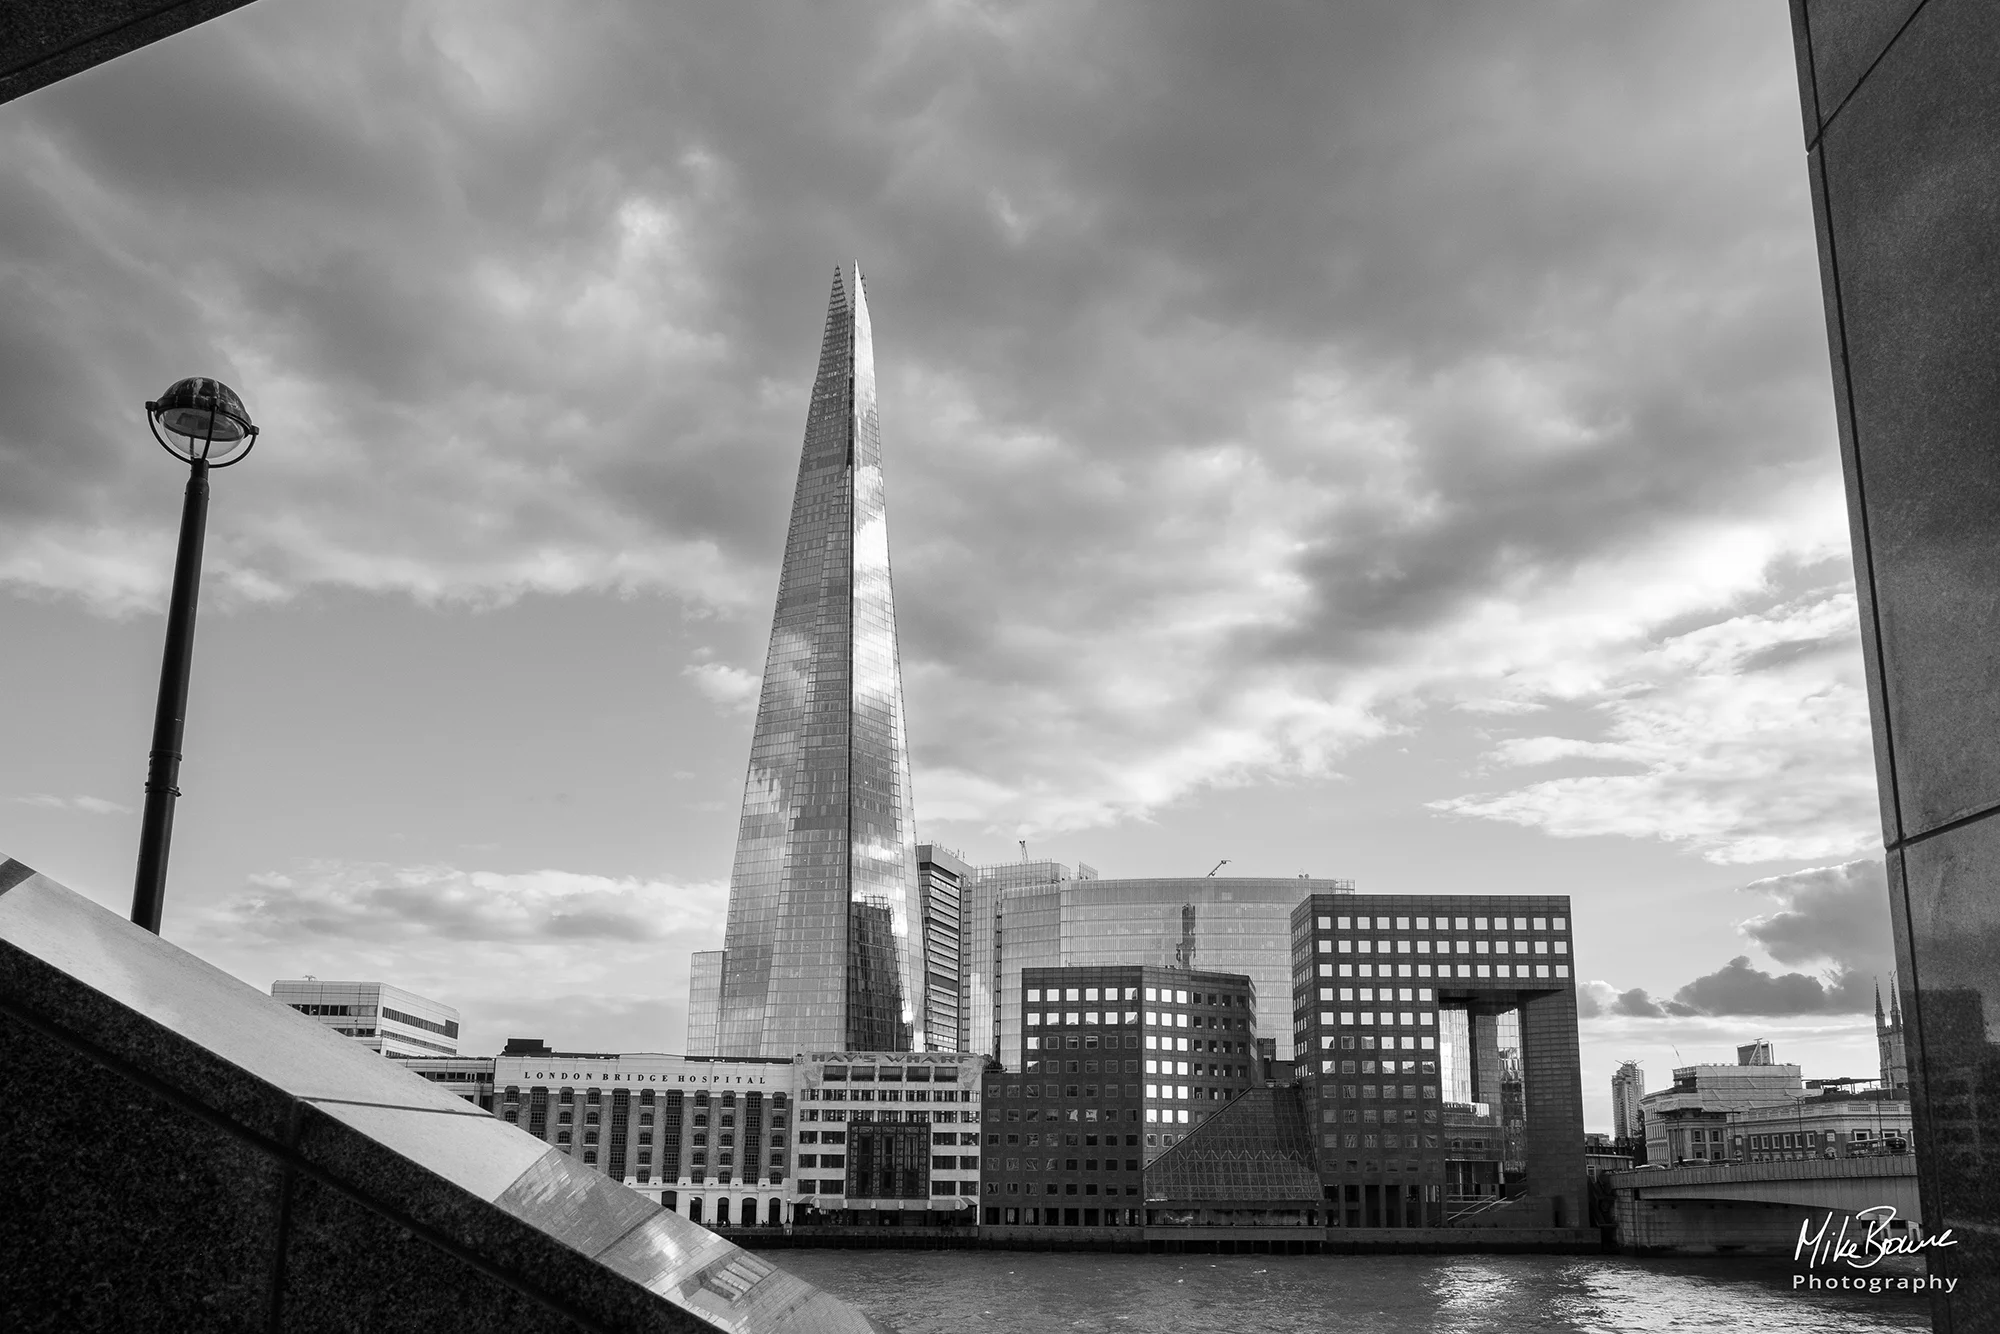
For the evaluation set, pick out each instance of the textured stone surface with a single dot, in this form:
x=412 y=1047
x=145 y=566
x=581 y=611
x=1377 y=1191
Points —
x=1912 y=202
x=187 y=1153
x=1907 y=202
x=1844 y=40
x=1954 y=932
x=180 y=1215
x=53 y=39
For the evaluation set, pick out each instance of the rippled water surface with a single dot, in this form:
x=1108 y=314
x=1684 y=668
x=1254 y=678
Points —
x=953 y=1292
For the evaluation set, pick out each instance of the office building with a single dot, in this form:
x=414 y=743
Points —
x=1013 y=905
x=704 y=1009
x=743 y=1141
x=1628 y=1086
x=1412 y=1012
x=1117 y=1064
x=383 y=1018
x=822 y=948
x=942 y=877
x=1689 y=1118
x=1038 y=915
x=889 y=1138
x=706 y=1136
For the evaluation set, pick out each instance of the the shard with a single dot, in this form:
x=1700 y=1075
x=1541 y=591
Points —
x=820 y=952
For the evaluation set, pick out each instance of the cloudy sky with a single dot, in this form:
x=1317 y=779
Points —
x=1389 y=441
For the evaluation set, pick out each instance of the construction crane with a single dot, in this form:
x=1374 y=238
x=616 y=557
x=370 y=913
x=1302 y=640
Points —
x=1217 y=867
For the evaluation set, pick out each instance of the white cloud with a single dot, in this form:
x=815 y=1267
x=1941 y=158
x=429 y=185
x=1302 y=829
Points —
x=731 y=687
x=596 y=961
x=86 y=804
x=1749 y=735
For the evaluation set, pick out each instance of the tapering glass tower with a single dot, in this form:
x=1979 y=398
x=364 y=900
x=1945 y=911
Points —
x=820 y=952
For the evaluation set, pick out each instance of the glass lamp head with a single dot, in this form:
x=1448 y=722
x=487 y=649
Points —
x=203 y=419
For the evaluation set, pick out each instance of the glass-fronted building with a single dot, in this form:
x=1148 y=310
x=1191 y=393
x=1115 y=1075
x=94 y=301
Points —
x=1231 y=925
x=822 y=949
x=704 y=1014
x=942 y=877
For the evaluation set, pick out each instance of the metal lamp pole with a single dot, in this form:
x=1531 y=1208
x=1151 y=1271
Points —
x=205 y=414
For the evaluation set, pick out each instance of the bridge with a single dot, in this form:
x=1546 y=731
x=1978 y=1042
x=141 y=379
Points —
x=1751 y=1208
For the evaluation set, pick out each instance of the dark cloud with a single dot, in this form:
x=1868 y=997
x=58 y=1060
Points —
x=1637 y=1002
x=1829 y=913
x=1243 y=353
x=1737 y=988
x=1833 y=916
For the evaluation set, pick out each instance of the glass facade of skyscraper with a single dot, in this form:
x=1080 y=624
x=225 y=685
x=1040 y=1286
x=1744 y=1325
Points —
x=1240 y=925
x=822 y=945
x=942 y=876
x=704 y=1001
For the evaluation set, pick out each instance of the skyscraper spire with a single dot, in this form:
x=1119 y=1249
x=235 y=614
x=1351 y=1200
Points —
x=820 y=950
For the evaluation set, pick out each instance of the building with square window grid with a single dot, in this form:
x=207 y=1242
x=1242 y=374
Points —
x=888 y=1138
x=707 y=1136
x=1411 y=1011
x=1116 y=1065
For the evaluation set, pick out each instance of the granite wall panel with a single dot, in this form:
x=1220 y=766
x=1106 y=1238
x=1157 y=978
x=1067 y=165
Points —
x=187 y=1153
x=1902 y=113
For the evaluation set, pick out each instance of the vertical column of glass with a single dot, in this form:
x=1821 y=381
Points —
x=885 y=968
x=782 y=988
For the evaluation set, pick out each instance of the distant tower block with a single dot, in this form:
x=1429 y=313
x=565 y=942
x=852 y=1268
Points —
x=1894 y=1059
x=822 y=950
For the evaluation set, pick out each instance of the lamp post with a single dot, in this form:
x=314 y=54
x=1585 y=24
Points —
x=205 y=426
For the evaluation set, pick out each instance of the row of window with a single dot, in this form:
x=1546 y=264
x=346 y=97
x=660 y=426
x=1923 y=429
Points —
x=645 y=1097
x=914 y=1118
x=1070 y=1164
x=1387 y=1041
x=1387 y=1115
x=1154 y=1042
x=1057 y=1188
x=1387 y=1068
x=1054 y=994
x=447 y=1028
x=1061 y=1217
x=944 y=1162
x=1327 y=946
x=1155 y=995
x=1409 y=1091
x=1366 y=1141
x=888 y=1074
x=1541 y=970
x=884 y=1095
x=1088 y=1141
x=1424 y=924
x=1370 y=1165
x=443 y=1049
x=1381 y=1018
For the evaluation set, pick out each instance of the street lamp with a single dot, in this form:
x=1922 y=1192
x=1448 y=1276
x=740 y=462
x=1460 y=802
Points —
x=205 y=426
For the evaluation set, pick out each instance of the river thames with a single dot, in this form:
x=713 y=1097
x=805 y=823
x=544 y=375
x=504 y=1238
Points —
x=952 y=1292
